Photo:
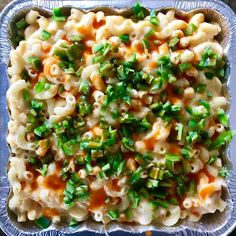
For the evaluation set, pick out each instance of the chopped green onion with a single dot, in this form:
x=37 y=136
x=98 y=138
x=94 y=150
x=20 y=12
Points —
x=120 y=167
x=106 y=167
x=114 y=214
x=158 y=202
x=45 y=35
x=134 y=198
x=173 y=44
x=223 y=172
x=172 y=157
x=136 y=176
x=190 y=29
x=97 y=48
x=149 y=33
x=138 y=11
x=42 y=86
x=124 y=38
x=38 y=106
x=180 y=128
x=192 y=188
x=153 y=18
x=223 y=139
x=128 y=143
x=44 y=170
x=73 y=223
x=152 y=183
x=21 y=24
x=57 y=15
x=34 y=61
x=43 y=222
x=222 y=117
x=76 y=38
x=26 y=95
x=212 y=159
x=146 y=44
x=185 y=66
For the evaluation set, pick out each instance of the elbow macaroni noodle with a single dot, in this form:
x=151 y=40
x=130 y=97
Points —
x=119 y=123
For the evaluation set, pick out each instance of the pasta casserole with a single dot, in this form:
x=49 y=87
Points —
x=117 y=118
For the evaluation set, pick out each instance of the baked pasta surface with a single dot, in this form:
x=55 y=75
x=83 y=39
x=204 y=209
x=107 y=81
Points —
x=116 y=118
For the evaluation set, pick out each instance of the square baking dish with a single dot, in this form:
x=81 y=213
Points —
x=220 y=223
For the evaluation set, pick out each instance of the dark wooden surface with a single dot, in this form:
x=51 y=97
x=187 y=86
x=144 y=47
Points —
x=231 y=3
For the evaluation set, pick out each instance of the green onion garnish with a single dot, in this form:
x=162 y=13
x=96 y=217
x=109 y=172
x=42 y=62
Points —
x=223 y=139
x=138 y=11
x=35 y=62
x=21 y=24
x=114 y=214
x=45 y=35
x=124 y=38
x=43 y=222
x=190 y=29
x=185 y=66
x=153 y=18
x=57 y=15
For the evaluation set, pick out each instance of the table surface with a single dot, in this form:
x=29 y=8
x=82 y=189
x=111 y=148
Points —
x=231 y=3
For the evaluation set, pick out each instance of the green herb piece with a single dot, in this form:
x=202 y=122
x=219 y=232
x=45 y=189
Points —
x=180 y=128
x=174 y=201
x=200 y=88
x=34 y=61
x=136 y=176
x=57 y=15
x=97 y=48
x=146 y=44
x=26 y=95
x=43 y=222
x=134 y=198
x=224 y=172
x=106 y=167
x=192 y=188
x=41 y=86
x=192 y=137
x=187 y=153
x=158 y=202
x=153 y=18
x=114 y=214
x=149 y=33
x=138 y=11
x=222 y=117
x=124 y=38
x=223 y=139
x=212 y=159
x=152 y=183
x=76 y=38
x=185 y=66
x=73 y=223
x=45 y=35
x=172 y=157
x=173 y=44
x=121 y=168
x=190 y=29
x=37 y=106
x=43 y=170
x=128 y=143
x=69 y=147
x=209 y=75
x=21 y=24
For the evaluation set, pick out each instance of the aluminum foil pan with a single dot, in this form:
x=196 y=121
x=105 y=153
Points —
x=213 y=224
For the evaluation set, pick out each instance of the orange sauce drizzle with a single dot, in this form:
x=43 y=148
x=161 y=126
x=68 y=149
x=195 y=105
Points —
x=55 y=183
x=97 y=199
x=98 y=24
